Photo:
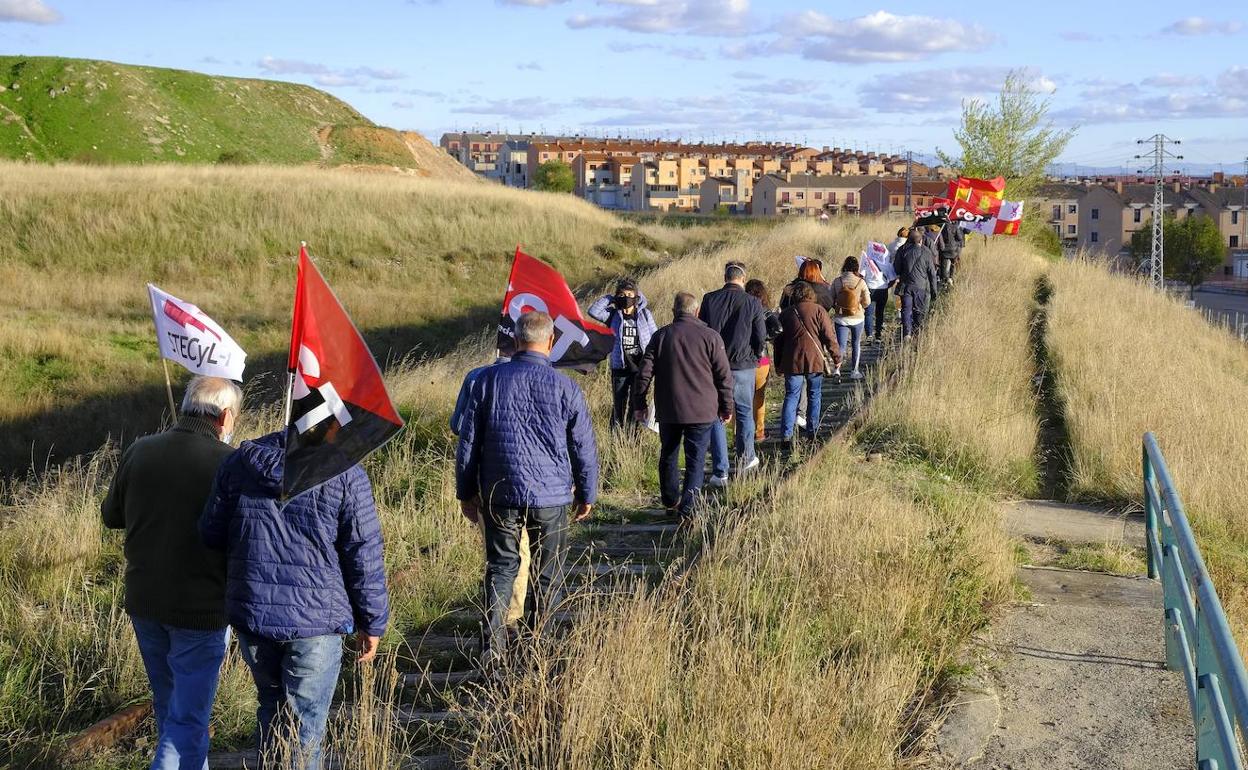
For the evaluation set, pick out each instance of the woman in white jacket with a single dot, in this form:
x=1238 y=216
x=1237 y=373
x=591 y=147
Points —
x=877 y=269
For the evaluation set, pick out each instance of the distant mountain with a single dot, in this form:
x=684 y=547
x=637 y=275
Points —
x=60 y=109
x=1187 y=169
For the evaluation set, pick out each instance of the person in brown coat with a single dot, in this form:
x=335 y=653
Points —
x=800 y=348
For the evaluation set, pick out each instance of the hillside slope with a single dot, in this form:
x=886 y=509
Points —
x=59 y=109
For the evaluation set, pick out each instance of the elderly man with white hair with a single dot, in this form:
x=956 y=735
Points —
x=175 y=586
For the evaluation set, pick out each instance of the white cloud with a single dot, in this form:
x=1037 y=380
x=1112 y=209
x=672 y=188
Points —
x=1199 y=25
x=879 y=37
x=532 y=3
x=323 y=75
x=1128 y=102
x=937 y=90
x=1168 y=80
x=689 y=52
x=1080 y=36
x=692 y=17
x=533 y=66
x=29 y=11
x=1234 y=80
x=748 y=75
x=790 y=86
x=523 y=107
x=275 y=66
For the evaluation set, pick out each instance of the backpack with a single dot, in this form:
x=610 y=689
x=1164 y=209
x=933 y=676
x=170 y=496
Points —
x=848 y=299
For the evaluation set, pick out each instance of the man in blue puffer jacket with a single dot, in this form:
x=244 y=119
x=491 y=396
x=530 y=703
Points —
x=300 y=575
x=526 y=453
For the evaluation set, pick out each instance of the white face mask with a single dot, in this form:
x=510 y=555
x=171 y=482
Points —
x=228 y=438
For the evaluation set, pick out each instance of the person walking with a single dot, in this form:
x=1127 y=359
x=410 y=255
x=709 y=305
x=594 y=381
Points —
x=526 y=455
x=903 y=235
x=916 y=282
x=175 y=587
x=688 y=367
x=302 y=573
x=853 y=299
x=515 y=610
x=627 y=314
x=809 y=273
x=757 y=289
x=741 y=323
x=877 y=268
x=800 y=357
x=950 y=245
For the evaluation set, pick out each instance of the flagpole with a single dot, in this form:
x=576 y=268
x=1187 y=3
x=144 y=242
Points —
x=290 y=388
x=173 y=409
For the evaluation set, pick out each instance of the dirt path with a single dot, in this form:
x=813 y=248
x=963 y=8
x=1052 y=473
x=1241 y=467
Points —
x=1078 y=675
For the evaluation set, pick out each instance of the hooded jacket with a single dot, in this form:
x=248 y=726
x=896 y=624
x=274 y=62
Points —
x=916 y=271
x=951 y=241
x=309 y=566
x=526 y=439
x=604 y=312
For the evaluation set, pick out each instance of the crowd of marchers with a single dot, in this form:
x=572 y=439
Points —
x=212 y=544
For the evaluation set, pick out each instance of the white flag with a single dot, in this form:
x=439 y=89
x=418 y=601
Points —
x=1006 y=222
x=188 y=336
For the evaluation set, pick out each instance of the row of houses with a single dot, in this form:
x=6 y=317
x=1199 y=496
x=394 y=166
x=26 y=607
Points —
x=1102 y=217
x=647 y=175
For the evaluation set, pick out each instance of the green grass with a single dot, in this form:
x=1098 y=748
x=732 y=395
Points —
x=1111 y=559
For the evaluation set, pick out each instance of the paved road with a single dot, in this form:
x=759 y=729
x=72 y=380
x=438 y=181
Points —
x=1230 y=307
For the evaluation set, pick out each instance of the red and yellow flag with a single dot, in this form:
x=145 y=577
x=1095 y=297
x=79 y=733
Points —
x=983 y=194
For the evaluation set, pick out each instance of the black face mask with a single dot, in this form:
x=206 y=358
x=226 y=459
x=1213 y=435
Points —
x=624 y=303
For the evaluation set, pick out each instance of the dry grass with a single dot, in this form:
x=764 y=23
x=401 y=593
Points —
x=964 y=399
x=1133 y=361
x=810 y=635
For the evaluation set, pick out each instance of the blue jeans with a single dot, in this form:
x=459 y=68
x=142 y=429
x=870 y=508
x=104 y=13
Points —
x=845 y=335
x=792 y=393
x=913 y=310
x=295 y=680
x=182 y=667
x=694 y=437
x=742 y=431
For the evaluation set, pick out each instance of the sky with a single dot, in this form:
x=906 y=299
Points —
x=886 y=77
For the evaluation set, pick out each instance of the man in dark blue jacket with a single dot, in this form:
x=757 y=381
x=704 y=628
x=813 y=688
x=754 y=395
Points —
x=741 y=322
x=526 y=453
x=300 y=575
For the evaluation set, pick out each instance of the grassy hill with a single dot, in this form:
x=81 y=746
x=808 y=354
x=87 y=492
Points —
x=59 y=109
x=418 y=263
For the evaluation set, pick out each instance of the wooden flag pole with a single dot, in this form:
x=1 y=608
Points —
x=173 y=409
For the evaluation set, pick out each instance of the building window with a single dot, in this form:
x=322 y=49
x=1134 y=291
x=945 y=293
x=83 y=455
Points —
x=784 y=196
x=1072 y=209
x=1057 y=229
x=1235 y=217
x=801 y=196
x=1094 y=237
x=1057 y=212
x=1135 y=217
x=849 y=199
x=818 y=196
x=831 y=197
x=1234 y=241
x=1096 y=214
x=895 y=200
x=1070 y=229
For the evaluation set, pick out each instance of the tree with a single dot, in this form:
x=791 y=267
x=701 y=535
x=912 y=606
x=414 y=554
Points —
x=1193 y=248
x=554 y=176
x=1012 y=138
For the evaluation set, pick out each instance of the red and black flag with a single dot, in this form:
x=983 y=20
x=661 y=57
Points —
x=535 y=285
x=340 y=410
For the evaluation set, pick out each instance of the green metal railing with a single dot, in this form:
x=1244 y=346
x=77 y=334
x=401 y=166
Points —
x=1198 y=638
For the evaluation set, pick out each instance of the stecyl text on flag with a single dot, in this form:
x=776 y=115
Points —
x=188 y=337
x=340 y=410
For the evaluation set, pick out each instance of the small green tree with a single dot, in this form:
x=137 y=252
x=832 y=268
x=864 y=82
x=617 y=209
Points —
x=554 y=176
x=1192 y=247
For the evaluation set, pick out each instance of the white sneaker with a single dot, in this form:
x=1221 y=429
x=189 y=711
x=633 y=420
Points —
x=855 y=375
x=751 y=465
x=801 y=421
x=718 y=481
x=837 y=373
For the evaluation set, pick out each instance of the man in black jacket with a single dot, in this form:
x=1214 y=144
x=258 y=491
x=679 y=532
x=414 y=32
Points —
x=950 y=244
x=175 y=585
x=741 y=322
x=916 y=281
x=693 y=393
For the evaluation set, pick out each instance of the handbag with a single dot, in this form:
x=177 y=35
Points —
x=829 y=368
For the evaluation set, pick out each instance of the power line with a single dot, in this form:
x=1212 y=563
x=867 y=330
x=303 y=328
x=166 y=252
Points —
x=1158 y=169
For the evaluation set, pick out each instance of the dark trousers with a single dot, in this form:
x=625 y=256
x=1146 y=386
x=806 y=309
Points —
x=948 y=266
x=621 y=397
x=678 y=493
x=875 y=313
x=548 y=550
x=913 y=310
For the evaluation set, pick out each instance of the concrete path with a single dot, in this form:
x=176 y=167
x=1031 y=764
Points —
x=1076 y=672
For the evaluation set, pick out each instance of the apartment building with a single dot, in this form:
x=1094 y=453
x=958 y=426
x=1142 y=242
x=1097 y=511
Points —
x=808 y=195
x=494 y=156
x=1103 y=217
x=888 y=196
x=604 y=180
x=729 y=193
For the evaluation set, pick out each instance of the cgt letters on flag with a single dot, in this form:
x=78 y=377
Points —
x=188 y=337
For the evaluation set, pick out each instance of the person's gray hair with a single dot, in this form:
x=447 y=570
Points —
x=534 y=328
x=685 y=303
x=211 y=396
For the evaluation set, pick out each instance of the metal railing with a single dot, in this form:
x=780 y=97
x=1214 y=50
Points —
x=1198 y=638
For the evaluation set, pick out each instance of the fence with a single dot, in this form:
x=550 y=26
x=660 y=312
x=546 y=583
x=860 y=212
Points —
x=1198 y=639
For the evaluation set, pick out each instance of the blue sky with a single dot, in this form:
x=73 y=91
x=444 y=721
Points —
x=883 y=76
